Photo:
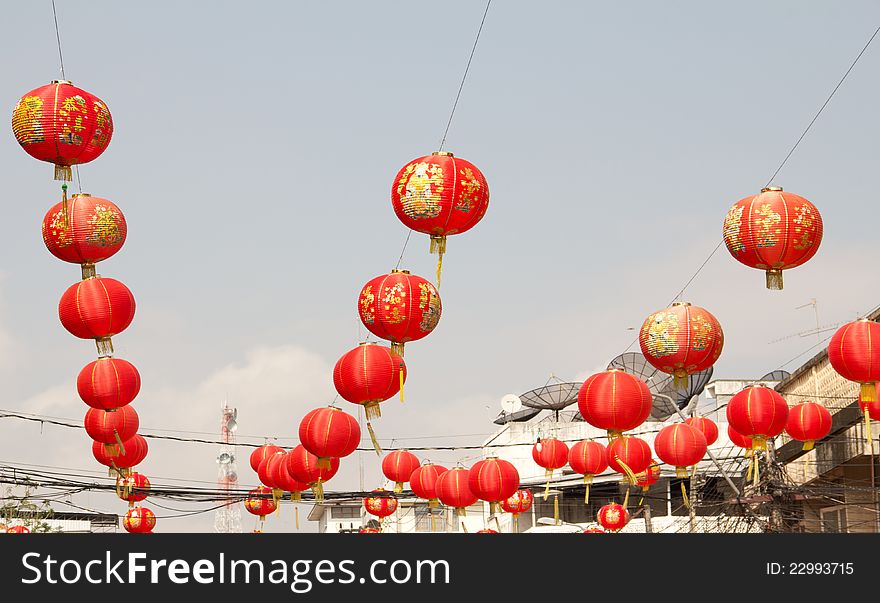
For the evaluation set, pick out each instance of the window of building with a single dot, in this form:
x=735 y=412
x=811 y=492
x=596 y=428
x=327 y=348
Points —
x=833 y=519
x=338 y=512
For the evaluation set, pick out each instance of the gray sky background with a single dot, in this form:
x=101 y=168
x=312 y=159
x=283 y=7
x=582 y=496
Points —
x=253 y=154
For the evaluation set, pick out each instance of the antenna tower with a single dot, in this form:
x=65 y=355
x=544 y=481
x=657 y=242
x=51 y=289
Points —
x=227 y=519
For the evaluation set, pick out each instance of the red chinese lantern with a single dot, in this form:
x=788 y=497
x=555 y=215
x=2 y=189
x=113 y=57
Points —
x=854 y=352
x=62 y=124
x=269 y=469
x=303 y=467
x=367 y=375
x=261 y=454
x=871 y=410
x=453 y=491
x=398 y=466
x=399 y=307
x=588 y=458
x=486 y=531
x=739 y=439
x=808 y=422
x=97 y=308
x=112 y=427
x=382 y=505
x=681 y=340
x=329 y=433
x=133 y=488
x=759 y=413
x=615 y=401
x=84 y=230
x=135 y=451
x=550 y=454
x=139 y=520
x=284 y=481
x=773 y=231
x=648 y=477
x=18 y=530
x=493 y=480
x=260 y=502
x=613 y=517
x=707 y=426
x=681 y=446
x=423 y=482
x=519 y=502
x=629 y=455
x=369 y=531
x=108 y=383
x=440 y=195
x=593 y=531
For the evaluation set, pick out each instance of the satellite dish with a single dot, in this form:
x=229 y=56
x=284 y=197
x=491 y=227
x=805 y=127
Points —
x=511 y=403
x=224 y=458
x=231 y=425
x=778 y=375
x=552 y=397
x=519 y=416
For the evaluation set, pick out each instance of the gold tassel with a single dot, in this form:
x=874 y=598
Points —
x=494 y=508
x=438 y=246
x=400 y=372
x=759 y=443
x=808 y=445
x=751 y=457
x=587 y=483
x=119 y=442
x=373 y=439
x=397 y=348
x=613 y=434
x=296 y=514
x=556 y=509
x=318 y=489
x=869 y=392
x=757 y=470
x=433 y=503
x=372 y=410
x=684 y=496
x=681 y=472
x=64 y=213
x=111 y=450
x=464 y=528
x=633 y=480
x=516 y=523
x=295 y=496
x=548 y=474
x=63 y=172
x=642 y=499
x=680 y=379
x=461 y=511
x=774 y=280
x=398 y=487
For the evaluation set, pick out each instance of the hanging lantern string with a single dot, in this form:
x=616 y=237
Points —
x=58 y=38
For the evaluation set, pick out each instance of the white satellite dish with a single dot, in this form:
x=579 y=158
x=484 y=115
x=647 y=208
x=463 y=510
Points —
x=511 y=403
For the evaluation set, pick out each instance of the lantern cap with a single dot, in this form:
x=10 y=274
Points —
x=81 y=195
x=399 y=271
x=443 y=153
x=771 y=189
x=681 y=303
x=61 y=82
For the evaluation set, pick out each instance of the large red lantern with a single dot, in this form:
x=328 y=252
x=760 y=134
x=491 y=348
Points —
x=453 y=490
x=261 y=454
x=615 y=401
x=133 y=488
x=62 y=124
x=398 y=466
x=367 y=375
x=108 y=383
x=423 y=482
x=613 y=517
x=139 y=520
x=284 y=481
x=681 y=446
x=440 y=195
x=303 y=467
x=135 y=451
x=773 y=231
x=97 y=308
x=329 y=433
x=550 y=454
x=382 y=504
x=759 y=413
x=681 y=340
x=629 y=455
x=399 y=307
x=808 y=422
x=707 y=426
x=493 y=480
x=588 y=458
x=112 y=427
x=854 y=352
x=84 y=230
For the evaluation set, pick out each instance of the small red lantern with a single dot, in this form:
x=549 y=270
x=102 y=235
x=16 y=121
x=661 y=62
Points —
x=759 y=413
x=808 y=422
x=398 y=466
x=854 y=352
x=399 y=307
x=382 y=505
x=84 y=230
x=453 y=490
x=133 y=488
x=614 y=400
x=112 y=427
x=739 y=439
x=261 y=454
x=871 y=410
x=17 y=530
x=520 y=502
x=303 y=467
x=367 y=375
x=613 y=517
x=284 y=481
x=62 y=124
x=706 y=426
x=260 y=502
x=550 y=454
x=135 y=451
x=108 y=383
x=681 y=446
x=269 y=470
x=369 y=531
x=139 y=520
x=588 y=458
x=681 y=340
x=593 y=531
x=423 y=482
x=440 y=195
x=486 y=531
x=773 y=231
x=649 y=476
x=629 y=455
x=493 y=480
x=97 y=308
x=329 y=433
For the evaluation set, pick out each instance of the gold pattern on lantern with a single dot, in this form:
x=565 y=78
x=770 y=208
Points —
x=804 y=219
x=26 y=120
x=660 y=334
x=368 y=313
x=60 y=229
x=429 y=304
x=105 y=228
x=732 y=226
x=393 y=300
x=471 y=191
x=766 y=235
x=419 y=189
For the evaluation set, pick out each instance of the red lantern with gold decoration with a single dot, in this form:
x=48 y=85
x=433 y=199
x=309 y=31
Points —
x=706 y=426
x=367 y=375
x=133 y=488
x=17 y=530
x=588 y=458
x=112 y=427
x=854 y=352
x=399 y=307
x=139 y=520
x=398 y=466
x=62 y=124
x=382 y=504
x=493 y=480
x=808 y=422
x=613 y=517
x=97 y=308
x=649 y=476
x=681 y=340
x=681 y=446
x=329 y=433
x=135 y=451
x=84 y=230
x=440 y=195
x=423 y=482
x=773 y=231
x=453 y=490
x=108 y=383
x=615 y=401
x=303 y=467
x=629 y=455
x=550 y=454
x=757 y=412
x=519 y=502
x=261 y=502
x=261 y=454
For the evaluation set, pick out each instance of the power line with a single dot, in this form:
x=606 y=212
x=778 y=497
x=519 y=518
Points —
x=58 y=38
